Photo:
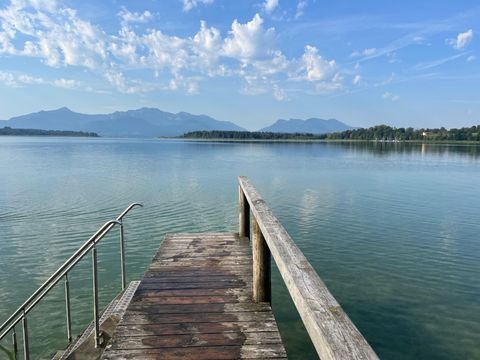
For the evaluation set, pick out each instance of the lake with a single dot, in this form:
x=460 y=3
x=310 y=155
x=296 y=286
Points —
x=392 y=229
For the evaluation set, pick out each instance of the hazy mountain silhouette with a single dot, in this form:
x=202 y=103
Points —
x=144 y=122
x=313 y=126
x=151 y=122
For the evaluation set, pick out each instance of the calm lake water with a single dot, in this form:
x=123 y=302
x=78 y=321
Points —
x=392 y=229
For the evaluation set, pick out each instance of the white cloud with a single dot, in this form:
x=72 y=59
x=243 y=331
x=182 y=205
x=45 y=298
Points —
x=206 y=45
x=66 y=83
x=365 y=52
x=190 y=4
x=278 y=93
x=462 y=40
x=192 y=88
x=8 y=79
x=418 y=39
x=314 y=67
x=389 y=96
x=269 y=6
x=356 y=79
x=250 y=40
x=28 y=79
x=301 y=5
x=471 y=58
x=276 y=64
x=11 y=79
x=134 y=17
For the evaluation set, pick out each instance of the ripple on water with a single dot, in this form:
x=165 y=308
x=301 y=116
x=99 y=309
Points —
x=394 y=235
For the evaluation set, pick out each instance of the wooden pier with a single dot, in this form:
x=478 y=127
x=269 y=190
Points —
x=207 y=296
x=195 y=302
x=204 y=296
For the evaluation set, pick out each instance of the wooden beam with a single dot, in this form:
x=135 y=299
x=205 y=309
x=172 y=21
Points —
x=261 y=266
x=331 y=330
x=244 y=215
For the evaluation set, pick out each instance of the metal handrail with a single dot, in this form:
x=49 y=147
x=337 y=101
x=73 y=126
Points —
x=62 y=272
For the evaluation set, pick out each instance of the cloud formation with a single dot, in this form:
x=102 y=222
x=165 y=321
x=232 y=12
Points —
x=301 y=5
x=190 y=4
x=269 y=6
x=59 y=38
x=462 y=40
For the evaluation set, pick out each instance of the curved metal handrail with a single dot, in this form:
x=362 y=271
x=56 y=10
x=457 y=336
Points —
x=62 y=271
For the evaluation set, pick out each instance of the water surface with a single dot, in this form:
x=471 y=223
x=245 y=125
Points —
x=391 y=228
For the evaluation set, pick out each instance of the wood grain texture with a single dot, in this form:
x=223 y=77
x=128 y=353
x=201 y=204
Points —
x=262 y=289
x=243 y=214
x=195 y=302
x=331 y=330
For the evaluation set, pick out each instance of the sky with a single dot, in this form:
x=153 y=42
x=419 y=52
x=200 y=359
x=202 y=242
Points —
x=402 y=63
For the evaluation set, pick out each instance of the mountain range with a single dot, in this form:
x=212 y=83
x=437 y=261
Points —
x=151 y=122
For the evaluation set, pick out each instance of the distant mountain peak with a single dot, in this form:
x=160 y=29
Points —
x=64 y=109
x=311 y=125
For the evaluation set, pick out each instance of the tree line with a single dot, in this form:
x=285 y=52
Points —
x=378 y=133
x=36 y=132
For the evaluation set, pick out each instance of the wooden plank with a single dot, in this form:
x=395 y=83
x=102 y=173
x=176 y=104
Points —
x=331 y=330
x=237 y=338
x=142 y=330
x=198 y=308
x=273 y=351
x=134 y=318
x=187 y=292
x=195 y=302
x=208 y=299
x=197 y=279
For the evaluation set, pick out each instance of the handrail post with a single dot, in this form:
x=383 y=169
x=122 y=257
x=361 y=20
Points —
x=67 y=309
x=26 y=351
x=95 y=295
x=15 y=345
x=244 y=214
x=262 y=289
x=122 y=256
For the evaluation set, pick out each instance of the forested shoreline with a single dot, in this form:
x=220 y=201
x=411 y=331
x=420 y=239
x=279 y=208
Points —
x=375 y=133
x=36 y=132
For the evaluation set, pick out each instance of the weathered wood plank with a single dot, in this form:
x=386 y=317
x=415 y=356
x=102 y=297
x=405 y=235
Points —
x=204 y=285
x=196 y=339
x=195 y=302
x=273 y=351
x=197 y=279
x=141 y=330
x=226 y=299
x=331 y=331
x=187 y=292
x=198 y=308
x=133 y=318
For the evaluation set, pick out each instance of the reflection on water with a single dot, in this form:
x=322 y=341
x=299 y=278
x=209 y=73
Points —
x=391 y=228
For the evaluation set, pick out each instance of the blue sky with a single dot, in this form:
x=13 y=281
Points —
x=403 y=63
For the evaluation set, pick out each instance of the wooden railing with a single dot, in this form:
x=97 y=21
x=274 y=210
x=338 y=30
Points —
x=332 y=332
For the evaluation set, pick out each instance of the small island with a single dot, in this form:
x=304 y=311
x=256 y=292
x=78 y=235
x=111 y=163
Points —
x=36 y=132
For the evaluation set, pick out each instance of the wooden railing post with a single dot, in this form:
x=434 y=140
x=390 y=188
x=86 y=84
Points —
x=244 y=214
x=332 y=332
x=262 y=288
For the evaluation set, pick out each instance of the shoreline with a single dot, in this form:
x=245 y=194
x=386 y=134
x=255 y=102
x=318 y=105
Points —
x=419 y=142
